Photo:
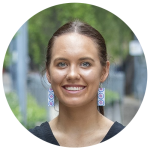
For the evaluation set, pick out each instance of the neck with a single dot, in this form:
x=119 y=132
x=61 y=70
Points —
x=81 y=119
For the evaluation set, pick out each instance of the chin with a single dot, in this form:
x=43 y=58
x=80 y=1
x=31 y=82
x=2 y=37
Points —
x=73 y=103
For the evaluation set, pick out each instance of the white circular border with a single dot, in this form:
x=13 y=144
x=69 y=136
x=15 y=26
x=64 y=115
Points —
x=14 y=13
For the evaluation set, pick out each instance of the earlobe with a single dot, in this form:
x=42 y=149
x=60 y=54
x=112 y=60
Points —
x=48 y=76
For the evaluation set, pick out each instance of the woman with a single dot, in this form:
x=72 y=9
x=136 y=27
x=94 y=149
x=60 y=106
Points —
x=76 y=64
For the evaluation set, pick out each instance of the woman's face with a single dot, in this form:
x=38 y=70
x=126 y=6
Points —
x=75 y=70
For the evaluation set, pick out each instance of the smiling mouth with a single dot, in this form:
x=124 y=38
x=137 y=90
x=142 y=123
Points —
x=72 y=88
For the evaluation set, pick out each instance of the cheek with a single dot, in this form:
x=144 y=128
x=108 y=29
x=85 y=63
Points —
x=91 y=76
x=57 y=76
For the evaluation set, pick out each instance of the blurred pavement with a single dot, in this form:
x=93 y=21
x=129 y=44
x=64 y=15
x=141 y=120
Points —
x=129 y=109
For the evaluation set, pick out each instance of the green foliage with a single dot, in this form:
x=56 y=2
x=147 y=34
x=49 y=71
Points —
x=41 y=27
x=7 y=59
x=35 y=113
x=12 y=100
x=111 y=97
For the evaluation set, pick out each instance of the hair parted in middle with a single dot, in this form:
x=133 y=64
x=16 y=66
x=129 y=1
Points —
x=83 y=29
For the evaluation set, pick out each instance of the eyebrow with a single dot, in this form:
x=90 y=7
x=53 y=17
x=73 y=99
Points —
x=60 y=58
x=83 y=58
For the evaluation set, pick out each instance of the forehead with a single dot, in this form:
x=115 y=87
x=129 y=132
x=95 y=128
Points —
x=74 y=44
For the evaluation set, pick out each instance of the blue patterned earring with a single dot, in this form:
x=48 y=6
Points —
x=50 y=97
x=101 y=96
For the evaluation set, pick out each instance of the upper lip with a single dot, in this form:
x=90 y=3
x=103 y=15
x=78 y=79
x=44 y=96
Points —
x=73 y=85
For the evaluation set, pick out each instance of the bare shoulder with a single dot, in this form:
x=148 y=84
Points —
x=103 y=128
x=52 y=124
x=54 y=128
x=108 y=122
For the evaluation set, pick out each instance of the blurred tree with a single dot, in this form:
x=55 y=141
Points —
x=7 y=60
x=41 y=27
x=116 y=33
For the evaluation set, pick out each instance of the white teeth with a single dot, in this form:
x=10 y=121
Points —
x=74 y=88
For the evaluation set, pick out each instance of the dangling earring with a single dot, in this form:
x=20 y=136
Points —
x=101 y=96
x=50 y=97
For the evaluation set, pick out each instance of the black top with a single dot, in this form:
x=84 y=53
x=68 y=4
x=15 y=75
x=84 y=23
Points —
x=45 y=133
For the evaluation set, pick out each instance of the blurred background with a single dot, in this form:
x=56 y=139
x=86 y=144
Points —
x=24 y=81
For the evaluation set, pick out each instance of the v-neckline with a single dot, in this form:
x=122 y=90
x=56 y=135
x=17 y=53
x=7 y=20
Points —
x=50 y=132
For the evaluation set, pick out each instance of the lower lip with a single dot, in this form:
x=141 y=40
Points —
x=74 y=92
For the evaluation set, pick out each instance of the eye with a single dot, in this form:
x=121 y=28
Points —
x=61 y=64
x=85 y=64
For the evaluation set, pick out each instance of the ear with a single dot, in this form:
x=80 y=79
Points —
x=105 y=72
x=48 y=76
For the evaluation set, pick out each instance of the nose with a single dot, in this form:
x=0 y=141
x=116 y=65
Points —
x=73 y=73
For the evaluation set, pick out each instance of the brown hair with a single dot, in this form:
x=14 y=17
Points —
x=83 y=29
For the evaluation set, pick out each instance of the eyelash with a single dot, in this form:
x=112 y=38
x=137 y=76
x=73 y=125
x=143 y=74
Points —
x=61 y=63
x=82 y=64
x=86 y=63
